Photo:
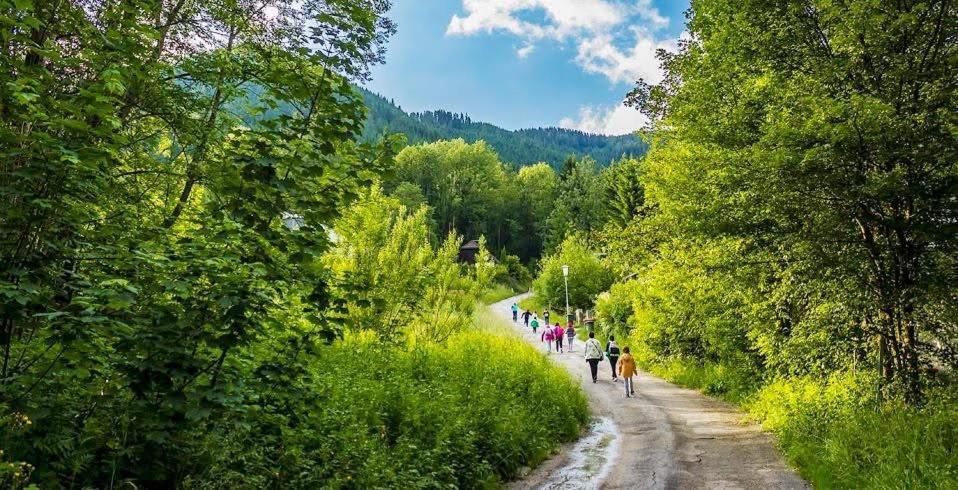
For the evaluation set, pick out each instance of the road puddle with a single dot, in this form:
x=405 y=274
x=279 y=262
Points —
x=590 y=459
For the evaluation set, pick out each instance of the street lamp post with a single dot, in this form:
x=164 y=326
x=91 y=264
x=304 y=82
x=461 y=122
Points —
x=565 y=277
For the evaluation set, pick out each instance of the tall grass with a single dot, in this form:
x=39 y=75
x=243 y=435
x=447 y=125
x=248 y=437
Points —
x=833 y=430
x=533 y=302
x=466 y=413
x=840 y=437
x=497 y=292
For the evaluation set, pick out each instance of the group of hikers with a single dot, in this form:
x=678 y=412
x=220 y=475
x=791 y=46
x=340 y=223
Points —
x=552 y=335
x=621 y=360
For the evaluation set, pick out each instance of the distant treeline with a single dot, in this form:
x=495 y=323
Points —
x=521 y=147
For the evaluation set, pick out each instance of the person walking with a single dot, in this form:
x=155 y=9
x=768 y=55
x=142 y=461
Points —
x=548 y=337
x=593 y=354
x=612 y=351
x=557 y=333
x=515 y=312
x=525 y=317
x=535 y=323
x=545 y=315
x=570 y=334
x=627 y=369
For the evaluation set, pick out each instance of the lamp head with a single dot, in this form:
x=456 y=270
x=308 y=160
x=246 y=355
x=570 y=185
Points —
x=565 y=271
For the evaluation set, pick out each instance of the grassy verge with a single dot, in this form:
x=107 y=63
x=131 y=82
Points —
x=532 y=303
x=498 y=292
x=834 y=432
x=466 y=413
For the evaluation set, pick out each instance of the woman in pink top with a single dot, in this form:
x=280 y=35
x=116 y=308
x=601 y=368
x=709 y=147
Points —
x=557 y=332
x=548 y=336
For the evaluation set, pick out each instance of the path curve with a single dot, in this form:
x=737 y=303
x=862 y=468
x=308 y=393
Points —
x=669 y=437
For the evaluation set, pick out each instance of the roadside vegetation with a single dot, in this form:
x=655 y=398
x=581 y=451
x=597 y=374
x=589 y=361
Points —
x=498 y=292
x=465 y=413
x=208 y=278
x=790 y=244
x=203 y=284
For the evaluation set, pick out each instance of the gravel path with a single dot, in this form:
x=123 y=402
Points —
x=664 y=437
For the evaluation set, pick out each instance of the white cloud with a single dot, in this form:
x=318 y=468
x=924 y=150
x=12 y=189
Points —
x=645 y=10
x=597 y=28
x=525 y=51
x=601 y=55
x=563 y=17
x=609 y=120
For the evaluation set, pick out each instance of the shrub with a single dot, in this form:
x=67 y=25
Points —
x=516 y=274
x=833 y=430
x=588 y=276
x=614 y=309
x=464 y=414
x=840 y=437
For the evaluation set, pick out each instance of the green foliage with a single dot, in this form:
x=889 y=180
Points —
x=832 y=428
x=840 y=438
x=588 y=276
x=496 y=293
x=410 y=195
x=464 y=184
x=789 y=240
x=537 y=192
x=577 y=206
x=469 y=191
x=520 y=148
x=466 y=413
x=533 y=302
x=386 y=276
x=514 y=272
x=794 y=232
x=166 y=284
x=830 y=199
x=613 y=309
x=527 y=212
x=625 y=199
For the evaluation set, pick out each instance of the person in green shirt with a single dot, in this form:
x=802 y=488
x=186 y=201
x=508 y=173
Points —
x=534 y=323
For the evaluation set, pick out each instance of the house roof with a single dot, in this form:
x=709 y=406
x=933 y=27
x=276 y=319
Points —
x=470 y=245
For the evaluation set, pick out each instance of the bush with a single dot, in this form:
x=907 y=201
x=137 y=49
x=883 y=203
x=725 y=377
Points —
x=613 y=308
x=588 y=276
x=833 y=430
x=839 y=437
x=467 y=414
x=516 y=274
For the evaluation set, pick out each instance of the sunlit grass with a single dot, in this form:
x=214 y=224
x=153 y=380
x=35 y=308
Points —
x=464 y=413
x=532 y=303
x=834 y=432
x=487 y=320
x=498 y=292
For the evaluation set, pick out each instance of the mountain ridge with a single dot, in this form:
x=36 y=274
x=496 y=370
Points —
x=520 y=147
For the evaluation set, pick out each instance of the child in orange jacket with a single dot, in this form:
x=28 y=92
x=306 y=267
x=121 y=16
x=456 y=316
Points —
x=627 y=369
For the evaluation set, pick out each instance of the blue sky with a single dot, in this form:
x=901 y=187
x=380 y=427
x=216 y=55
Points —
x=527 y=63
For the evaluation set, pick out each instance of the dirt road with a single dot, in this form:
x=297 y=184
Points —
x=664 y=437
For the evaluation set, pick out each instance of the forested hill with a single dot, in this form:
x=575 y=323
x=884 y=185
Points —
x=522 y=147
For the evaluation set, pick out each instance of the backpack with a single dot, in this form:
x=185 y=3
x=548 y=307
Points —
x=613 y=350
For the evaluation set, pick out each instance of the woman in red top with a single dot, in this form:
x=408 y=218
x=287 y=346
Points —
x=548 y=336
x=557 y=334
